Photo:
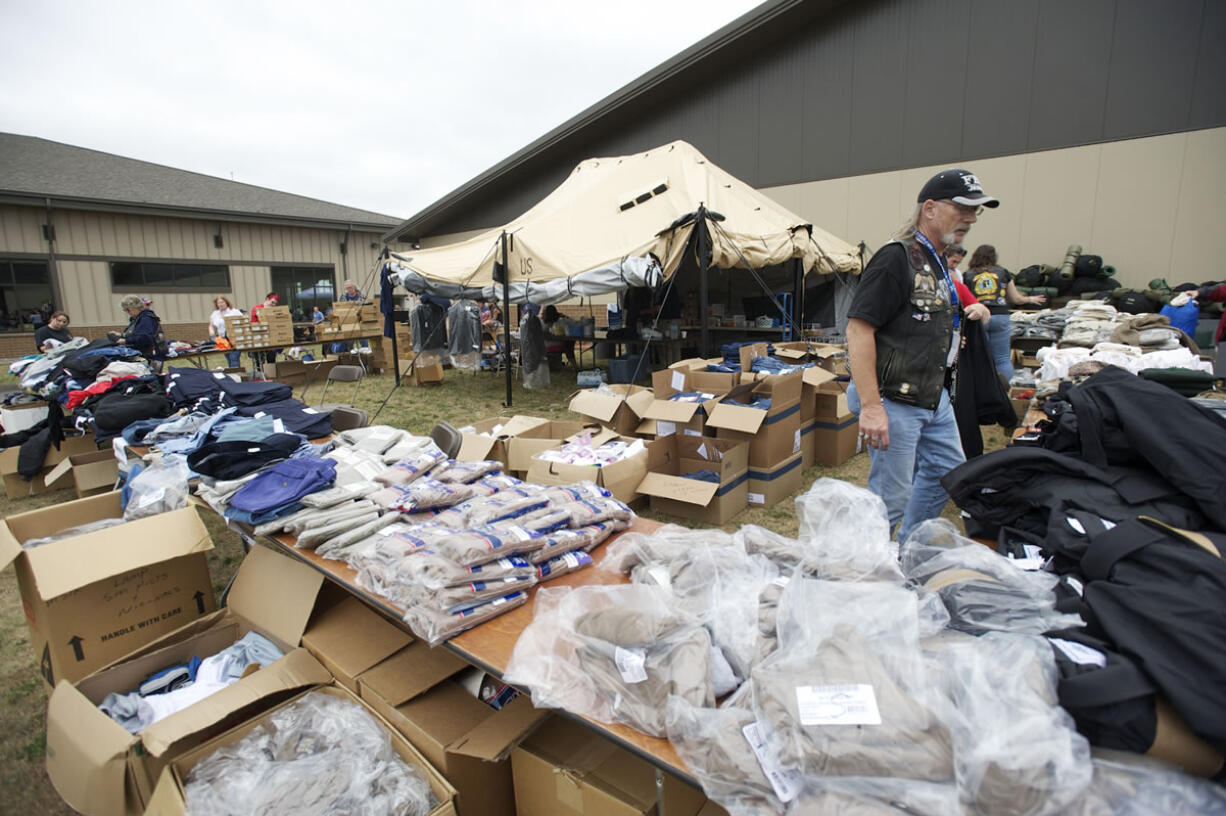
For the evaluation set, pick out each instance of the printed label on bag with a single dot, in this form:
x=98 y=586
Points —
x=781 y=581
x=571 y=560
x=785 y=781
x=630 y=664
x=1080 y=653
x=848 y=704
x=660 y=574
x=692 y=432
x=757 y=498
x=796 y=442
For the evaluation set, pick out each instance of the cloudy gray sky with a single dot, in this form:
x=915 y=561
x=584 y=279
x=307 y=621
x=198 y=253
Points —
x=369 y=103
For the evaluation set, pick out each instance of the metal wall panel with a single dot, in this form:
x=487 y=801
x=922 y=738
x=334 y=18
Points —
x=996 y=116
x=825 y=66
x=1072 y=61
x=1209 y=88
x=1154 y=63
x=738 y=116
x=878 y=88
x=781 y=115
x=935 y=82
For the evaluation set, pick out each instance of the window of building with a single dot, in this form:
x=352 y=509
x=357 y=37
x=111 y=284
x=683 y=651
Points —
x=26 y=297
x=142 y=276
x=304 y=287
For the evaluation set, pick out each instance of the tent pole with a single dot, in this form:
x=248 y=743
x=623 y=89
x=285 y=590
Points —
x=506 y=316
x=798 y=298
x=704 y=294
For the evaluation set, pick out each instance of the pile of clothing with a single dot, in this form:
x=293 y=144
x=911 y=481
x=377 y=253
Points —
x=1089 y=322
x=831 y=673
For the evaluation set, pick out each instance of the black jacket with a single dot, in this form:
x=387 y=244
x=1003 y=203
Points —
x=980 y=395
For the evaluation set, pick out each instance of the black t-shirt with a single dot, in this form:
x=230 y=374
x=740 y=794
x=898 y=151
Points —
x=44 y=333
x=990 y=286
x=884 y=287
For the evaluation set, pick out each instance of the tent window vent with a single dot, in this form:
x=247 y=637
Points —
x=634 y=199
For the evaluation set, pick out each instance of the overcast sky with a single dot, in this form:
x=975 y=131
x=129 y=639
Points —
x=385 y=106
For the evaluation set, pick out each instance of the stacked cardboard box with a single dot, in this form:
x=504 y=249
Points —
x=621 y=478
x=665 y=416
x=617 y=407
x=15 y=485
x=670 y=458
x=89 y=473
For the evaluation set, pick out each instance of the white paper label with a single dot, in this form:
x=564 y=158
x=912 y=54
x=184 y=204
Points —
x=150 y=498
x=1080 y=653
x=630 y=664
x=1077 y=586
x=1032 y=550
x=785 y=781
x=678 y=381
x=1028 y=564
x=571 y=560
x=521 y=534
x=757 y=498
x=665 y=428
x=278 y=426
x=660 y=574
x=848 y=704
x=796 y=442
x=781 y=581
x=260 y=414
x=692 y=432
x=309 y=411
x=218 y=376
x=702 y=450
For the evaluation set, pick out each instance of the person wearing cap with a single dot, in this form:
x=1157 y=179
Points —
x=903 y=336
x=144 y=326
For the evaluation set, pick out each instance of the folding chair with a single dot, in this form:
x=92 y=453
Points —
x=346 y=418
x=447 y=438
x=341 y=373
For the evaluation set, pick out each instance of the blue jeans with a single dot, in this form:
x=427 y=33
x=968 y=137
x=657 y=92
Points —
x=233 y=359
x=924 y=446
x=998 y=341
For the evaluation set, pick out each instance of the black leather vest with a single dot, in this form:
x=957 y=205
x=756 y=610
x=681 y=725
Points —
x=913 y=346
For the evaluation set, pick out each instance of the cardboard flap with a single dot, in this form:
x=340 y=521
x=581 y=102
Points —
x=668 y=411
x=816 y=375
x=493 y=739
x=640 y=399
x=167 y=798
x=475 y=447
x=275 y=594
x=353 y=637
x=62 y=566
x=520 y=423
x=58 y=472
x=600 y=406
x=690 y=491
x=86 y=753
x=10 y=547
x=296 y=670
x=411 y=672
x=733 y=417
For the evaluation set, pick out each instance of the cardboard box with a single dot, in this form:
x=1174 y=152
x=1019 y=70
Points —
x=24 y=415
x=712 y=808
x=807 y=442
x=622 y=410
x=773 y=434
x=15 y=486
x=169 y=798
x=464 y=738
x=551 y=434
x=89 y=473
x=428 y=374
x=349 y=638
x=101 y=769
x=489 y=440
x=1021 y=405
x=93 y=598
x=835 y=441
x=669 y=417
x=622 y=478
x=566 y=769
x=712 y=503
x=772 y=485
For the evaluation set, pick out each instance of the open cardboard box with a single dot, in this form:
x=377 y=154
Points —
x=169 y=798
x=665 y=416
x=93 y=598
x=619 y=478
x=91 y=473
x=102 y=770
x=522 y=447
x=773 y=434
x=567 y=769
x=489 y=441
x=468 y=741
x=619 y=407
x=349 y=638
x=772 y=485
x=710 y=502
x=15 y=485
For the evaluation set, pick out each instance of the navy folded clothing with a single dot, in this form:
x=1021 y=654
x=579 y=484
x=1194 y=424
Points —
x=702 y=476
x=283 y=484
x=232 y=460
x=297 y=416
x=254 y=393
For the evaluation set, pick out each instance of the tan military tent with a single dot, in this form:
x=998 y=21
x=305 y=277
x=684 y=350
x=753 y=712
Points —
x=624 y=221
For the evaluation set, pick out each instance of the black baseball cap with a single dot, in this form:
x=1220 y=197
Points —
x=960 y=186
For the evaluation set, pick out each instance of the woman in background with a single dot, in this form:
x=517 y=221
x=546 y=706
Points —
x=993 y=286
x=217 y=325
x=56 y=330
x=144 y=327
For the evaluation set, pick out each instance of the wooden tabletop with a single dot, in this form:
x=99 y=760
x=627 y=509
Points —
x=489 y=645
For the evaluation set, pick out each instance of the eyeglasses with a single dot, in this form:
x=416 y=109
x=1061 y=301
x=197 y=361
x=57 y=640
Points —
x=965 y=209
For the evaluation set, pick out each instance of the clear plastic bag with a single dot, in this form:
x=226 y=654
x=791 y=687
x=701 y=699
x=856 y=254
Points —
x=428 y=493
x=337 y=546
x=661 y=546
x=1134 y=785
x=846 y=533
x=376 y=439
x=322 y=755
x=1017 y=752
x=982 y=590
x=585 y=538
x=311 y=538
x=563 y=564
x=613 y=653
x=353 y=465
x=466 y=472
x=72 y=532
x=434 y=626
x=334 y=496
x=159 y=488
x=412 y=467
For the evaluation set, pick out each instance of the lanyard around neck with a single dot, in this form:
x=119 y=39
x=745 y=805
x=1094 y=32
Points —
x=954 y=303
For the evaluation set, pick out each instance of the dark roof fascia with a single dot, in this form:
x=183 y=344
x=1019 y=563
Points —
x=766 y=23
x=26 y=199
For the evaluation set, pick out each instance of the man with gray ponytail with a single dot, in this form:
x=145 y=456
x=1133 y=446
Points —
x=903 y=334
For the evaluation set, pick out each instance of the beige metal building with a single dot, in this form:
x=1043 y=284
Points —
x=80 y=229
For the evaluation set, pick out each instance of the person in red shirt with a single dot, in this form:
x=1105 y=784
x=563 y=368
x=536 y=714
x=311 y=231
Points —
x=1217 y=293
x=271 y=299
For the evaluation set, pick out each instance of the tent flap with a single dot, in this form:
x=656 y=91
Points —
x=611 y=278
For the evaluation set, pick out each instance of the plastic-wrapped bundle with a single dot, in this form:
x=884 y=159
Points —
x=1132 y=785
x=353 y=465
x=72 y=532
x=768 y=612
x=411 y=467
x=478 y=545
x=317 y=535
x=316 y=516
x=337 y=545
x=159 y=488
x=505 y=504
x=407 y=446
x=846 y=533
x=428 y=493
x=434 y=626
x=563 y=564
x=1017 y=752
x=585 y=538
x=334 y=496
x=576 y=492
x=499 y=481
x=786 y=553
x=982 y=589
x=849 y=657
x=320 y=754
x=544 y=520
x=593 y=511
x=714 y=743
x=377 y=439
x=875 y=796
x=613 y=653
x=661 y=546
x=465 y=472
x=465 y=596
x=433 y=570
